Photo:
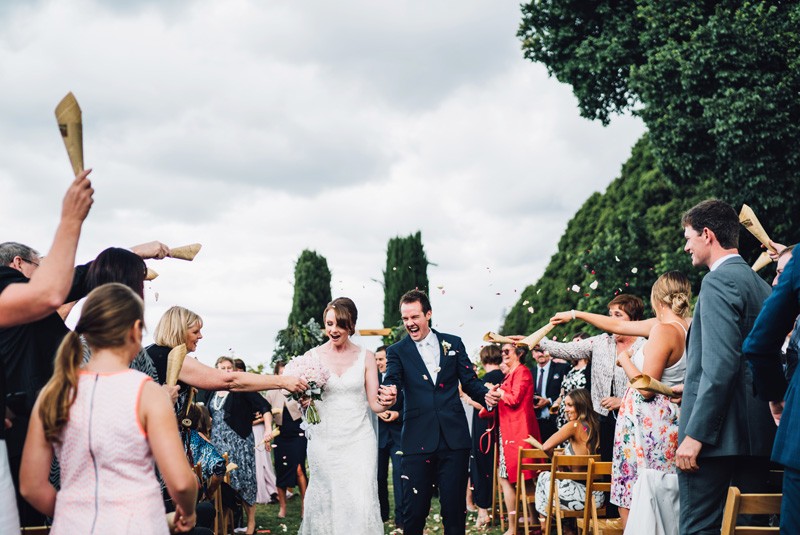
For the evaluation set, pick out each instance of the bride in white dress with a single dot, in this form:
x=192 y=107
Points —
x=342 y=494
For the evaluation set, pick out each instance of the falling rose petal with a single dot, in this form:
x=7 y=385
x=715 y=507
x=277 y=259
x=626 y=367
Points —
x=586 y=295
x=471 y=307
x=525 y=302
x=415 y=491
x=635 y=270
x=537 y=291
x=530 y=309
x=593 y=285
x=440 y=287
x=394 y=268
x=576 y=288
x=616 y=258
x=156 y=295
x=441 y=385
x=398 y=452
x=593 y=272
x=626 y=284
x=425 y=377
x=404 y=476
x=460 y=325
x=498 y=293
x=437 y=370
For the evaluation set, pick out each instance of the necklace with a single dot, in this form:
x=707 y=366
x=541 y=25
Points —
x=218 y=401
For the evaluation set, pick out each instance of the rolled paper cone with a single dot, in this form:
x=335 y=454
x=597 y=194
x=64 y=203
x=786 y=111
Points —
x=748 y=218
x=533 y=339
x=68 y=117
x=231 y=467
x=185 y=252
x=175 y=363
x=498 y=338
x=151 y=274
x=648 y=384
x=275 y=432
x=762 y=261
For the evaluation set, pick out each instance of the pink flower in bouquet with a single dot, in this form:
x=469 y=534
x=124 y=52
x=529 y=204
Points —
x=309 y=368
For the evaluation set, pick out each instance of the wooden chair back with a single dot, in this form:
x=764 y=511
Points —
x=749 y=504
x=574 y=467
x=598 y=479
x=533 y=460
x=497 y=513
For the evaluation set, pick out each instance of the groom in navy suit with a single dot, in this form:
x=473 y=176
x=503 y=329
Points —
x=427 y=366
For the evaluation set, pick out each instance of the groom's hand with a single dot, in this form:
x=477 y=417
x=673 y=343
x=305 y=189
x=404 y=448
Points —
x=387 y=395
x=493 y=396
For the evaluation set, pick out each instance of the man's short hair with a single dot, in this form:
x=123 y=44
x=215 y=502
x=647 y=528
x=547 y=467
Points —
x=417 y=296
x=380 y=348
x=717 y=216
x=10 y=249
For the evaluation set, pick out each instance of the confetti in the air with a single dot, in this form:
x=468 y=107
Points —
x=576 y=288
x=530 y=309
x=593 y=285
x=156 y=295
x=635 y=270
x=616 y=258
x=537 y=291
x=525 y=302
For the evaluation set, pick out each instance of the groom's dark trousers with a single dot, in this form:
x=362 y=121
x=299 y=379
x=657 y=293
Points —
x=449 y=470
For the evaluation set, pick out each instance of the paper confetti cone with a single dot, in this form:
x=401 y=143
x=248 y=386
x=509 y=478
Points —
x=151 y=274
x=185 y=252
x=647 y=383
x=534 y=338
x=748 y=218
x=68 y=116
x=498 y=338
x=175 y=363
x=762 y=261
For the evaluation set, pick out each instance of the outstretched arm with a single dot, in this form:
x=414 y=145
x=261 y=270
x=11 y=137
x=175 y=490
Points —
x=51 y=282
x=607 y=323
x=34 y=474
x=199 y=375
x=371 y=383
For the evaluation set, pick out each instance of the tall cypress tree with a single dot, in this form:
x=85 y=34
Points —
x=312 y=288
x=406 y=269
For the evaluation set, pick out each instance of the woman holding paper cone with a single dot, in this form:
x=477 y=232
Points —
x=647 y=426
x=179 y=326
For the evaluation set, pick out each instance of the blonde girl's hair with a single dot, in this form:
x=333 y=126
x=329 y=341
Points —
x=674 y=290
x=582 y=403
x=106 y=319
x=172 y=327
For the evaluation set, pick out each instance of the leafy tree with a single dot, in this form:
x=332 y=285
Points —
x=296 y=339
x=312 y=287
x=619 y=241
x=716 y=83
x=406 y=269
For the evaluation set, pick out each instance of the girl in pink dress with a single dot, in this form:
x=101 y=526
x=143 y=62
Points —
x=106 y=423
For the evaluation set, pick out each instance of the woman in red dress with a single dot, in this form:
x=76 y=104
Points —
x=517 y=420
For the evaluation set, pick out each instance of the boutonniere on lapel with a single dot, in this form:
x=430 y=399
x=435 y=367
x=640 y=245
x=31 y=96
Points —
x=446 y=346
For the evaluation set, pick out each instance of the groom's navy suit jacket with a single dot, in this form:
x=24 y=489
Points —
x=433 y=410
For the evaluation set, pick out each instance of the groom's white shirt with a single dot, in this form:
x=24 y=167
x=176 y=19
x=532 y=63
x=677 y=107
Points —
x=428 y=348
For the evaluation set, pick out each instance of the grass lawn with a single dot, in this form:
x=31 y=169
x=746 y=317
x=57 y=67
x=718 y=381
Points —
x=267 y=519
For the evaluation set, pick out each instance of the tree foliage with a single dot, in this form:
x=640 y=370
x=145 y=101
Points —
x=312 y=287
x=622 y=240
x=406 y=269
x=716 y=83
x=296 y=339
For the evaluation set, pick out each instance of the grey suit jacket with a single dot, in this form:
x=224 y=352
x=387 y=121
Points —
x=719 y=406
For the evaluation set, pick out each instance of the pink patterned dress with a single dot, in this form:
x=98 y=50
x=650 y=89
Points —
x=108 y=482
x=646 y=435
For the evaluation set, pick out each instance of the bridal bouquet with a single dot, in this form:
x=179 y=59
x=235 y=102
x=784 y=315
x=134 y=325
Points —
x=309 y=368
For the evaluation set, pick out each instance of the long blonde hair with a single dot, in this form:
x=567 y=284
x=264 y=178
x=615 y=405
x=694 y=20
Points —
x=107 y=316
x=674 y=290
x=172 y=327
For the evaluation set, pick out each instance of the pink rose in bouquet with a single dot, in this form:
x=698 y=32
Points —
x=309 y=368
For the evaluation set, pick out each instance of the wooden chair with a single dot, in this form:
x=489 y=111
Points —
x=572 y=464
x=598 y=479
x=497 y=496
x=534 y=460
x=223 y=523
x=748 y=504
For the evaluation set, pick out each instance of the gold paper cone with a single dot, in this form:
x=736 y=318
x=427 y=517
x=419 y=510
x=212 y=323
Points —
x=151 y=274
x=185 y=252
x=762 y=261
x=68 y=116
x=748 y=218
x=648 y=384
x=498 y=338
x=533 y=339
x=175 y=363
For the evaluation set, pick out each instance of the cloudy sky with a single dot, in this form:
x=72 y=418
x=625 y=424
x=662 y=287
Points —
x=260 y=128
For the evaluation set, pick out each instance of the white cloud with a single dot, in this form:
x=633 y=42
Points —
x=261 y=129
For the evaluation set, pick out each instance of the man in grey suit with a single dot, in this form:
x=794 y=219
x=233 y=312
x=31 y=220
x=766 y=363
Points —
x=725 y=433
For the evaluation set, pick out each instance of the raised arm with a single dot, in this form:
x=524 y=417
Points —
x=48 y=288
x=607 y=323
x=199 y=375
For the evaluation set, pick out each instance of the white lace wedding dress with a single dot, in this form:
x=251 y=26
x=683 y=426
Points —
x=342 y=494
